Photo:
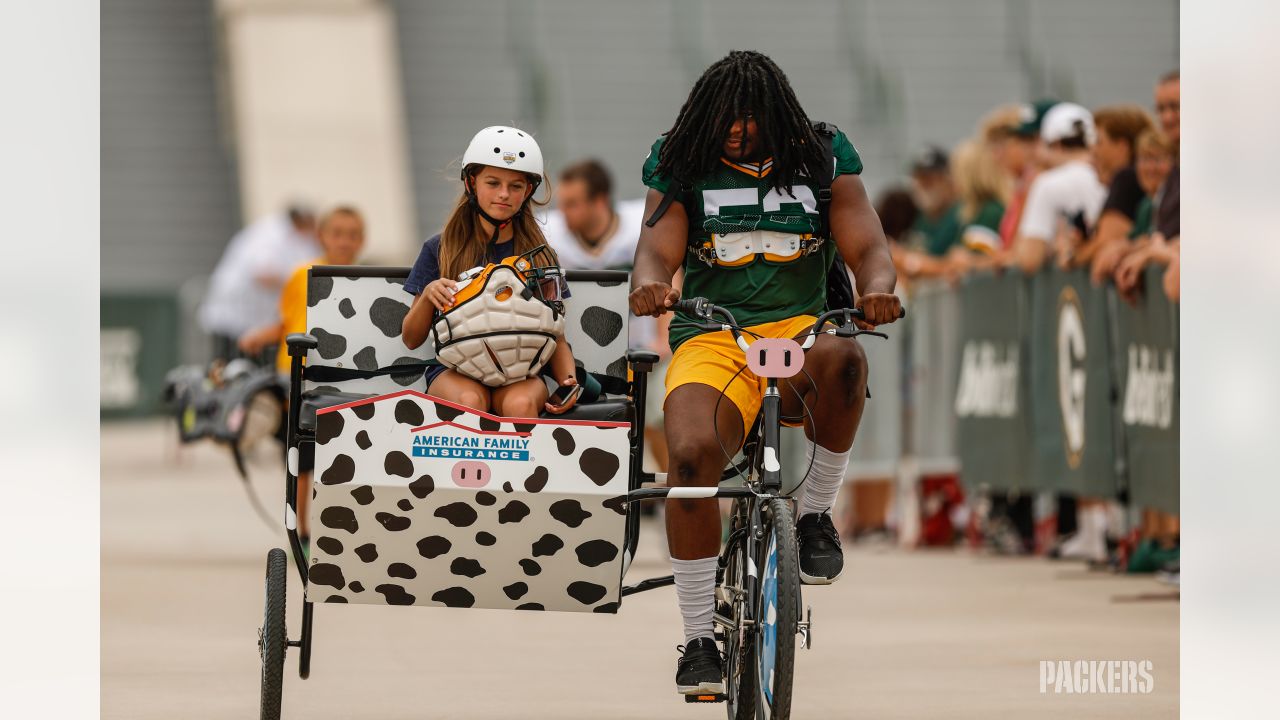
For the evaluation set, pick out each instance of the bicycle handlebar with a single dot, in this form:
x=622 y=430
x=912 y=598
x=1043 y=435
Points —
x=702 y=308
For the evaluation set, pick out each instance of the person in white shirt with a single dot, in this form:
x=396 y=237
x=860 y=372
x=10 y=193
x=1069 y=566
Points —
x=589 y=231
x=1066 y=195
x=244 y=290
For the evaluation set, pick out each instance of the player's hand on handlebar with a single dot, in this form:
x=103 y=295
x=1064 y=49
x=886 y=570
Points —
x=653 y=298
x=440 y=293
x=878 y=309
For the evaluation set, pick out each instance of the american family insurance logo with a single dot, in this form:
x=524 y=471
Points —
x=450 y=440
x=1075 y=677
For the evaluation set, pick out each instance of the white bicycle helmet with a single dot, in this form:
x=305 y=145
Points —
x=505 y=147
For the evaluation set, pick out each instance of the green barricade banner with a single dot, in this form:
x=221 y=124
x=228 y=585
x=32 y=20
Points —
x=1146 y=364
x=1073 y=427
x=993 y=433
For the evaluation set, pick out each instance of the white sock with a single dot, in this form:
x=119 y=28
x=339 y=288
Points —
x=818 y=494
x=696 y=593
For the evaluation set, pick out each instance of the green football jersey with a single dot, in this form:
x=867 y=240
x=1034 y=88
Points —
x=738 y=198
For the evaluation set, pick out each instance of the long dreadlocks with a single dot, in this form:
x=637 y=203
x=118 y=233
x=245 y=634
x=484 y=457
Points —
x=742 y=83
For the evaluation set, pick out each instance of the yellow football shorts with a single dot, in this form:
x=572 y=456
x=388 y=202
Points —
x=713 y=358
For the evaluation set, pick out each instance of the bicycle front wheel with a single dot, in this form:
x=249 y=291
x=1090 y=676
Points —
x=778 y=611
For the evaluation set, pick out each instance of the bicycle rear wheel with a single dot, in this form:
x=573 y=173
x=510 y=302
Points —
x=740 y=680
x=778 y=611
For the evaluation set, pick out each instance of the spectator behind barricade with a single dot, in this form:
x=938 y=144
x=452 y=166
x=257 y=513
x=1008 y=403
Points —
x=898 y=212
x=1067 y=195
x=1020 y=159
x=341 y=239
x=589 y=231
x=1155 y=165
x=936 y=228
x=1169 y=110
x=982 y=191
x=1114 y=157
x=244 y=289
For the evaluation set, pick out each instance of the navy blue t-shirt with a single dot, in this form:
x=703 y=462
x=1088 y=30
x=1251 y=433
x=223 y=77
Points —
x=426 y=269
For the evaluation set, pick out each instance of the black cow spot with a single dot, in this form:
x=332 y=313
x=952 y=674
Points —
x=513 y=512
x=486 y=498
x=446 y=413
x=326 y=574
x=484 y=538
x=346 y=308
x=466 y=566
x=538 y=480
x=523 y=427
x=601 y=325
x=599 y=465
x=515 y=591
x=405 y=505
x=335 y=599
x=547 y=545
x=530 y=606
x=328 y=426
x=610 y=608
x=329 y=345
x=618 y=504
x=585 y=592
x=362 y=438
x=330 y=545
x=458 y=514
x=569 y=512
x=596 y=552
x=455 y=597
x=339 y=518
x=363 y=494
x=409 y=378
x=422 y=487
x=564 y=441
x=367 y=552
x=318 y=288
x=506 y=487
x=395 y=594
x=530 y=567
x=355 y=587
x=489 y=424
x=388 y=315
x=394 y=523
x=617 y=368
x=341 y=470
x=433 y=546
x=367 y=358
x=365 y=411
x=397 y=463
x=409 y=413
x=401 y=570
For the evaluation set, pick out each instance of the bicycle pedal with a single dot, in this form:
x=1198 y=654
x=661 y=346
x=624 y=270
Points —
x=712 y=698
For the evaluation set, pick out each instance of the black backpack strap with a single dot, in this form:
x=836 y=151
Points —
x=328 y=373
x=826 y=134
x=673 y=191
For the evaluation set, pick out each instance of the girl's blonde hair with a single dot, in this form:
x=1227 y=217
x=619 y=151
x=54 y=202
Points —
x=1152 y=140
x=463 y=241
x=978 y=178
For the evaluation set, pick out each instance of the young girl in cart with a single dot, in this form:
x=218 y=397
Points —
x=492 y=223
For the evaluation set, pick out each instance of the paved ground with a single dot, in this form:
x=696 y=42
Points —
x=903 y=635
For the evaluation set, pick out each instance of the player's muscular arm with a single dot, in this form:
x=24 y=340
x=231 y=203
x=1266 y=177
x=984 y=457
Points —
x=659 y=254
x=860 y=238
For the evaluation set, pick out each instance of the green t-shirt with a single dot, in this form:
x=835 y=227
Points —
x=936 y=235
x=737 y=198
x=1142 y=218
x=982 y=231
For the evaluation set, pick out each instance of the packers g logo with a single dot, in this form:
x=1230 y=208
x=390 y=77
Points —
x=1071 y=373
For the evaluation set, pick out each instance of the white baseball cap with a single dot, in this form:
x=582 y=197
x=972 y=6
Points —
x=1067 y=120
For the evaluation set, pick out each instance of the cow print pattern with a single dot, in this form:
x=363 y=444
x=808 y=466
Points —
x=541 y=534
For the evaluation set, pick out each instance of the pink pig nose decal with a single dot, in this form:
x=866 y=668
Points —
x=471 y=474
x=775 y=357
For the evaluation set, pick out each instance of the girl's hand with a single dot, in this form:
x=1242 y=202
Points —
x=573 y=399
x=440 y=293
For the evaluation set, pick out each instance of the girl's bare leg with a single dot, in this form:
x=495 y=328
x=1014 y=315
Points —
x=456 y=387
x=522 y=399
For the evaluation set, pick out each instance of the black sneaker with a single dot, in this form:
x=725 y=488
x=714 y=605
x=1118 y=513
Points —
x=821 y=557
x=700 y=670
